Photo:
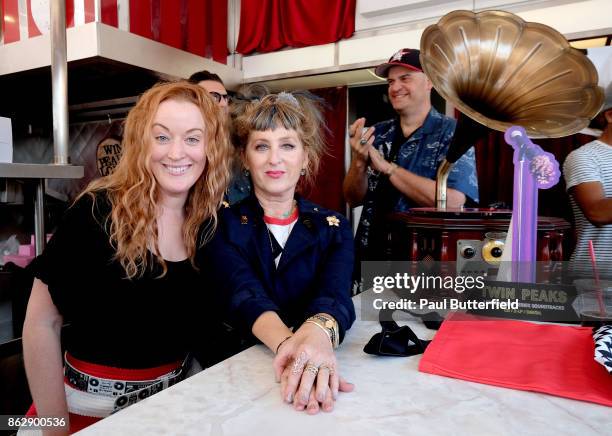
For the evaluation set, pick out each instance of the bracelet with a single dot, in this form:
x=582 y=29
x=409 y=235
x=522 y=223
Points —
x=392 y=170
x=311 y=321
x=281 y=343
x=329 y=326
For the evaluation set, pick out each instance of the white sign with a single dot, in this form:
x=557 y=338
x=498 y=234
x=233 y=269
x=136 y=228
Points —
x=6 y=140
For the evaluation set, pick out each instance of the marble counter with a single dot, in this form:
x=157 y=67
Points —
x=391 y=397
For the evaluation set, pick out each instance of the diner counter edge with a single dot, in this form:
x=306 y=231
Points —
x=240 y=397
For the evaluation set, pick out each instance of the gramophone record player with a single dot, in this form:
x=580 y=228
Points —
x=498 y=71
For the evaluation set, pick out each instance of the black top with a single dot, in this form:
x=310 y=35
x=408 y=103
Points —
x=138 y=323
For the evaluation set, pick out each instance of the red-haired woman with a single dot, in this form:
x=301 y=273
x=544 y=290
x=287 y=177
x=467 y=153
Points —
x=121 y=266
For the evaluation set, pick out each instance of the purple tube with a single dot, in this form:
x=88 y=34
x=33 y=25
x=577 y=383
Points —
x=533 y=169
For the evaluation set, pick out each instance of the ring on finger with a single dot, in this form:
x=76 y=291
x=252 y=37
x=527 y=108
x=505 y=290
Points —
x=312 y=368
x=363 y=141
x=329 y=369
x=298 y=364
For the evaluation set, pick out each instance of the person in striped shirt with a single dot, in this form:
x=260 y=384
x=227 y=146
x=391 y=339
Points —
x=588 y=179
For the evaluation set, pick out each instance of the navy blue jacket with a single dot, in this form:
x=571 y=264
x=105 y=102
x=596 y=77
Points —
x=313 y=275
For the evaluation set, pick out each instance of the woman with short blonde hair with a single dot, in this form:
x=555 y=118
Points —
x=285 y=263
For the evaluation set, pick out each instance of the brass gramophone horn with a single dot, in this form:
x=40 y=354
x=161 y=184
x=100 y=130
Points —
x=501 y=71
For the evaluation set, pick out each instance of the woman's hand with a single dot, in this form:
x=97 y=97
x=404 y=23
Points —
x=306 y=366
x=313 y=406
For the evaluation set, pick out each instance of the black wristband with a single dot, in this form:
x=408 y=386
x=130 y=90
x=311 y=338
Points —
x=281 y=343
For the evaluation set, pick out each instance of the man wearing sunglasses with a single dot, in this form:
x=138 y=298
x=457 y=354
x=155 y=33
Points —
x=240 y=185
x=214 y=85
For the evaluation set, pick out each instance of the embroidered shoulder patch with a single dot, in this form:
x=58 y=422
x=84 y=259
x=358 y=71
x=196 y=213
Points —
x=333 y=221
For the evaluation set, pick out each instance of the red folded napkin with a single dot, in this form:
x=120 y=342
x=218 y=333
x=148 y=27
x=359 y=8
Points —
x=552 y=359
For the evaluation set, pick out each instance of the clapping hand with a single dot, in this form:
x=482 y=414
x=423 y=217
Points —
x=360 y=140
x=377 y=161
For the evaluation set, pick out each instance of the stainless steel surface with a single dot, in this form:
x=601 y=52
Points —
x=11 y=191
x=40 y=171
x=59 y=81
x=124 y=101
x=502 y=71
x=343 y=74
x=39 y=217
x=441 y=179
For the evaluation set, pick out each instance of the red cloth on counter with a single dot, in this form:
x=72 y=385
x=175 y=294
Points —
x=552 y=359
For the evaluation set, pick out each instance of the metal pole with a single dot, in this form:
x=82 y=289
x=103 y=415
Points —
x=39 y=217
x=441 y=183
x=59 y=95
x=59 y=82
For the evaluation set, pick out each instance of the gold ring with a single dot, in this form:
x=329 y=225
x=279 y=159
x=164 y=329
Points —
x=310 y=367
x=328 y=368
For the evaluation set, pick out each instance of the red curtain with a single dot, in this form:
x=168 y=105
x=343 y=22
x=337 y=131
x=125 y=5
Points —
x=90 y=11
x=268 y=25
x=207 y=29
x=196 y=26
x=10 y=20
x=108 y=9
x=327 y=189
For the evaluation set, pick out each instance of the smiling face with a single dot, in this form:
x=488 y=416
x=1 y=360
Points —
x=408 y=89
x=178 y=148
x=275 y=159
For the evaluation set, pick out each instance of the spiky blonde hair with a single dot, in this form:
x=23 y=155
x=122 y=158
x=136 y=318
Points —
x=256 y=110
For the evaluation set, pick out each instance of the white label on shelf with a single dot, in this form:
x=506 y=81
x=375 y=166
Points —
x=6 y=140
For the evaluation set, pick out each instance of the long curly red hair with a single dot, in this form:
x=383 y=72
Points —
x=133 y=191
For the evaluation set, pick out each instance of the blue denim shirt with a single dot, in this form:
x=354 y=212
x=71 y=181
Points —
x=421 y=154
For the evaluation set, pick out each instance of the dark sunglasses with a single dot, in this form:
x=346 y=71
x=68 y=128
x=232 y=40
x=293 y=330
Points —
x=217 y=96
